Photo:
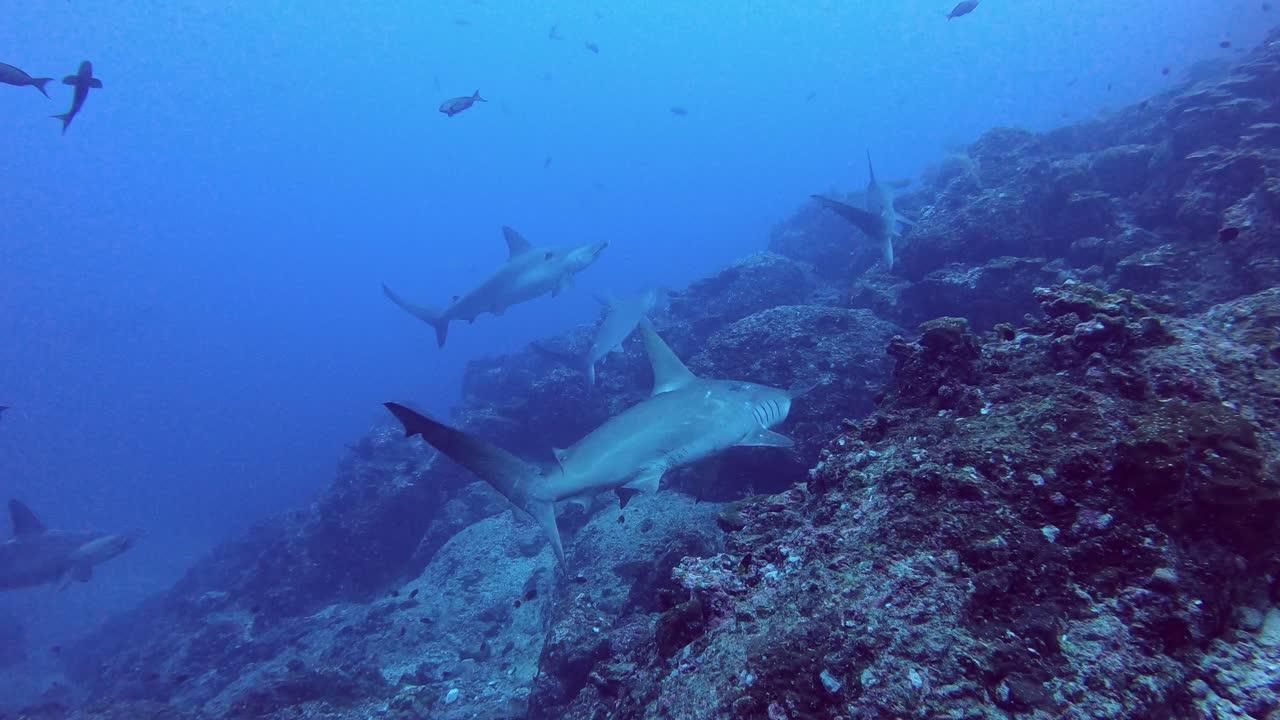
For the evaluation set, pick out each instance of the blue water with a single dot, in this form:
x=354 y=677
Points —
x=191 y=327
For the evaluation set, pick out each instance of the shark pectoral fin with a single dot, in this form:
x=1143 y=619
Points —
x=668 y=372
x=82 y=573
x=516 y=244
x=95 y=83
x=647 y=481
x=766 y=438
x=560 y=454
x=545 y=515
x=624 y=496
x=70 y=80
x=581 y=501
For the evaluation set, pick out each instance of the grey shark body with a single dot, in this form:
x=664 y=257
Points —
x=528 y=273
x=877 y=219
x=39 y=556
x=685 y=420
x=620 y=319
x=82 y=81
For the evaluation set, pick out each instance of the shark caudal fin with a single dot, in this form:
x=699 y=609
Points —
x=861 y=219
x=475 y=97
x=425 y=314
x=39 y=83
x=507 y=473
x=66 y=120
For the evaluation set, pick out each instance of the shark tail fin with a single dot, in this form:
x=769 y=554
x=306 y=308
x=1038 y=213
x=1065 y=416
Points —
x=475 y=97
x=66 y=120
x=859 y=218
x=39 y=83
x=507 y=473
x=425 y=314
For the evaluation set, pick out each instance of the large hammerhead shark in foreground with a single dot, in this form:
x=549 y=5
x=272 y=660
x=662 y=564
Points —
x=687 y=418
x=528 y=273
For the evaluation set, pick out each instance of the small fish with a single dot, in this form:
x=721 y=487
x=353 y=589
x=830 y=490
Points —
x=56 y=649
x=11 y=75
x=963 y=8
x=462 y=22
x=677 y=110
x=435 y=79
x=1224 y=44
x=592 y=47
x=1164 y=70
x=82 y=81
x=546 y=163
x=1227 y=234
x=812 y=94
x=456 y=105
x=554 y=33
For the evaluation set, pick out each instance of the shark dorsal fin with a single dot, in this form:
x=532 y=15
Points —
x=668 y=372
x=871 y=169
x=25 y=522
x=516 y=244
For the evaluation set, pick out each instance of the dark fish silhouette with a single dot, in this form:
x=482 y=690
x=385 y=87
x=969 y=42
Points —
x=1224 y=44
x=677 y=110
x=81 y=81
x=592 y=47
x=963 y=8
x=546 y=163
x=554 y=34
x=456 y=105
x=812 y=94
x=11 y=75
x=462 y=22
x=1227 y=234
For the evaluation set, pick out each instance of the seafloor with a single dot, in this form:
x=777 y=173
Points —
x=1039 y=480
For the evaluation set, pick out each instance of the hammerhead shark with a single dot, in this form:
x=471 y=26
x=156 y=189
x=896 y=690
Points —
x=39 y=556
x=621 y=317
x=82 y=81
x=878 y=220
x=528 y=273
x=686 y=419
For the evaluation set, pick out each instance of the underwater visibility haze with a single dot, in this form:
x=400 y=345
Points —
x=783 y=360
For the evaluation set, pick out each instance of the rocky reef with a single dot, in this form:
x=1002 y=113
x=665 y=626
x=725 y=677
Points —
x=1038 y=477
